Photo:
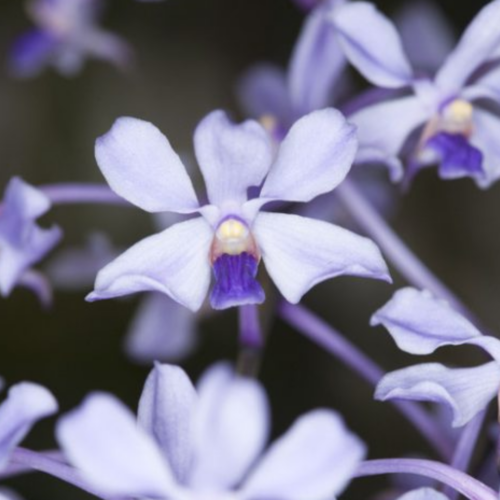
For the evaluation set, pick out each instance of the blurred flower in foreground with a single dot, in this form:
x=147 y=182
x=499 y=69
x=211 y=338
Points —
x=66 y=34
x=232 y=234
x=26 y=403
x=148 y=339
x=22 y=242
x=459 y=132
x=419 y=324
x=194 y=445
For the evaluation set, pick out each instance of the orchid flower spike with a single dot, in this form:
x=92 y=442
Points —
x=278 y=98
x=26 y=403
x=419 y=324
x=233 y=234
x=447 y=113
x=65 y=35
x=206 y=443
x=22 y=242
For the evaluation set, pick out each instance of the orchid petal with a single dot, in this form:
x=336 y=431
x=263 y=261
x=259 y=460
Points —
x=141 y=166
x=316 y=458
x=26 y=403
x=147 y=339
x=466 y=391
x=230 y=429
x=313 y=159
x=372 y=44
x=316 y=62
x=175 y=262
x=384 y=128
x=299 y=253
x=102 y=440
x=423 y=494
x=476 y=46
x=166 y=411
x=232 y=157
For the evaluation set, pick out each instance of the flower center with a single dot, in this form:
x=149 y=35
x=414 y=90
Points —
x=233 y=237
x=456 y=118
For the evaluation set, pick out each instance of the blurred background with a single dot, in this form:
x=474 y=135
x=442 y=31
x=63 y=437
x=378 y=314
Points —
x=189 y=55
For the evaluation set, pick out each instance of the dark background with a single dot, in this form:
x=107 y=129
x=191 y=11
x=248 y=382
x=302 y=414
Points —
x=189 y=55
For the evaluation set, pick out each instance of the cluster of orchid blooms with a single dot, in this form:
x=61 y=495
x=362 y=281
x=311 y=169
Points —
x=269 y=203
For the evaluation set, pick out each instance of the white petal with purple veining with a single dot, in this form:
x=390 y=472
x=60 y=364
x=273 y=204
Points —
x=316 y=458
x=314 y=158
x=230 y=429
x=232 y=157
x=466 y=391
x=141 y=166
x=26 y=403
x=477 y=45
x=166 y=409
x=299 y=252
x=372 y=44
x=175 y=262
x=101 y=438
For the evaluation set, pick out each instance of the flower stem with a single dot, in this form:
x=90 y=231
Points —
x=327 y=337
x=403 y=259
x=79 y=193
x=459 y=481
x=464 y=449
x=56 y=468
x=251 y=340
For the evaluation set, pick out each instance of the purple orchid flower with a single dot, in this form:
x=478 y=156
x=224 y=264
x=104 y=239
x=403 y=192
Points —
x=193 y=445
x=7 y=494
x=66 y=34
x=419 y=324
x=26 y=403
x=423 y=494
x=456 y=130
x=146 y=339
x=278 y=98
x=22 y=242
x=232 y=233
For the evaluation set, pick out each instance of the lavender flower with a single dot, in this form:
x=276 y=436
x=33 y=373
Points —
x=232 y=233
x=193 y=445
x=22 y=242
x=66 y=34
x=26 y=403
x=458 y=132
x=423 y=494
x=419 y=324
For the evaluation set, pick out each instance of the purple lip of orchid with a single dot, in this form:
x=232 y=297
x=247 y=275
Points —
x=457 y=132
x=233 y=233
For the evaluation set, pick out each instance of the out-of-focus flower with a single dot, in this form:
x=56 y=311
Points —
x=232 y=233
x=66 y=34
x=22 y=242
x=26 y=403
x=278 y=98
x=194 y=445
x=419 y=324
x=458 y=132
x=423 y=494
x=147 y=339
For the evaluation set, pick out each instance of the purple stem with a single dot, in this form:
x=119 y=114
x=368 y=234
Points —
x=459 y=481
x=250 y=331
x=465 y=448
x=403 y=259
x=73 y=193
x=54 y=467
x=327 y=337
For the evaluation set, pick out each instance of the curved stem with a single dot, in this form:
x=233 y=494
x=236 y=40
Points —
x=465 y=448
x=459 y=481
x=251 y=340
x=402 y=258
x=38 y=461
x=15 y=469
x=324 y=335
x=79 y=193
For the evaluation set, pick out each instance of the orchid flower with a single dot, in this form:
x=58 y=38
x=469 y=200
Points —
x=66 y=34
x=455 y=130
x=233 y=234
x=419 y=324
x=206 y=443
x=22 y=242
